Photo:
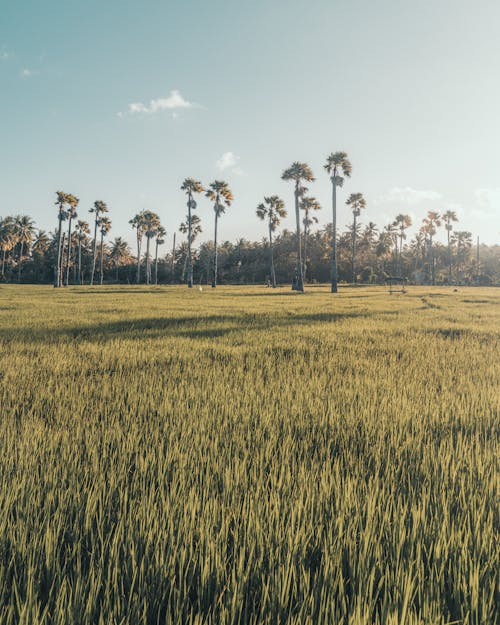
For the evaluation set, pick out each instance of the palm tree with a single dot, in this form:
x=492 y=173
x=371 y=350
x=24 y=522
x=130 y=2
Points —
x=151 y=223
x=338 y=168
x=308 y=204
x=120 y=252
x=60 y=202
x=7 y=239
x=448 y=217
x=82 y=230
x=220 y=194
x=72 y=202
x=137 y=222
x=357 y=202
x=401 y=223
x=195 y=231
x=431 y=223
x=298 y=172
x=98 y=209
x=190 y=186
x=160 y=235
x=463 y=241
x=104 y=227
x=24 y=231
x=273 y=209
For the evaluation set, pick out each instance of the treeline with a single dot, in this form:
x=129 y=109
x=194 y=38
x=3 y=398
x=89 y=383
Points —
x=29 y=255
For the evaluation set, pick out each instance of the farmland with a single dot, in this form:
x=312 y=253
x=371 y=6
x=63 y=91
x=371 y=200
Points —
x=246 y=455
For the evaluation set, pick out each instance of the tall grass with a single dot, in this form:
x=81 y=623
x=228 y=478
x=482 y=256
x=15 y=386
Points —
x=243 y=456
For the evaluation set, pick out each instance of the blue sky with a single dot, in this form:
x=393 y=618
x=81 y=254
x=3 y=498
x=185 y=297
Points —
x=120 y=100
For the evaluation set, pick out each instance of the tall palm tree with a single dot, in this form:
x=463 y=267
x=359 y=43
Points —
x=273 y=209
x=151 y=223
x=190 y=186
x=137 y=222
x=24 y=231
x=220 y=194
x=120 y=253
x=72 y=202
x=357 y=202
x=448 y=217
x=338 y=167
x=82 y=230
x=431 y=223
x=402 y=223
x=7 y=239
x=104 y=228
x=160 y=235
x=62 y=214
x=98 y=209
x=308 y=204
x=298 y=172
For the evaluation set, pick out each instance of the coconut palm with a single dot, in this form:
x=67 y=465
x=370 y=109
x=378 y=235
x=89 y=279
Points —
x=431 y=223
x=120 y=253
x=72 y=203
x=448 y=217
x=62 y=214
x=298 y=172
x=220 y=194
x=463 y=240
x=308 y=204
x=151 y=223
x=104 y=228
x=98 y=209
x=24 y=232
x=357 y=202
x=160 y=235
x=82 y=230
x=273 y=209
x=338 y=168
x=190 y=186
x=401 y=223
x=7 y=239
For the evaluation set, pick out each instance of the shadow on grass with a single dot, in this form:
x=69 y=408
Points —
x=195 y=327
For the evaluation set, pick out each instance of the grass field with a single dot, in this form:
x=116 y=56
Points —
x=249 y=456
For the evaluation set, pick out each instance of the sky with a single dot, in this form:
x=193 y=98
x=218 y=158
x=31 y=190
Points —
x=120 y=100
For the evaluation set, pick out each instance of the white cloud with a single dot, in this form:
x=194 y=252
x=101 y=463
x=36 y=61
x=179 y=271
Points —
x=174 y=101
x=229 y=160
x=408 y=195
x=26 y=73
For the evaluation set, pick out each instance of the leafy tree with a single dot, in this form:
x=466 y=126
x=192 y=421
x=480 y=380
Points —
x=138 y=224
x=61 y=202
x=24 y=231
x=160 y=235
x=99 y=209
x=7 y=239
x=338 y=167
x=463 y=240
x=431 y=223
x=220 y=194
x=195 y=230
x=82 y=230
x=120 y=253
x=72 y=203
x=401 y=223
x=308 y=204
x=357 y=202
x=273 y=209
x=298 y=172
x=190 y=186
x=151 y=223
x=104 y=228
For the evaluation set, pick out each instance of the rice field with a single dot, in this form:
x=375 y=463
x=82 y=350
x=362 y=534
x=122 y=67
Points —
x=246 y=455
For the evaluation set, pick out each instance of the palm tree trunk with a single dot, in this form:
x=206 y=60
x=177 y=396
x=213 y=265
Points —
x=61 y=268
x=101 y=269
x=20 y=262
x=4 y=256
x=353 y=258
x=148 y=268
x=271 y=251
x=214 y=256
x=304 y=263
x=68 y=255
x=334 y=238
x=449 y=260
x=94 y=255
x=156 y=262
x=57 y=268
x=299 y=280
x=80 y=276
x=139 y=241
x=189 y=258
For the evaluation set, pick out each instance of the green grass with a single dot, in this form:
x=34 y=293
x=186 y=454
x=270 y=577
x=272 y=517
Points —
x=249 y=456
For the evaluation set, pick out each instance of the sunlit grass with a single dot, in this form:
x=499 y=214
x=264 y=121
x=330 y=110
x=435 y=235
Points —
x=246 y=455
